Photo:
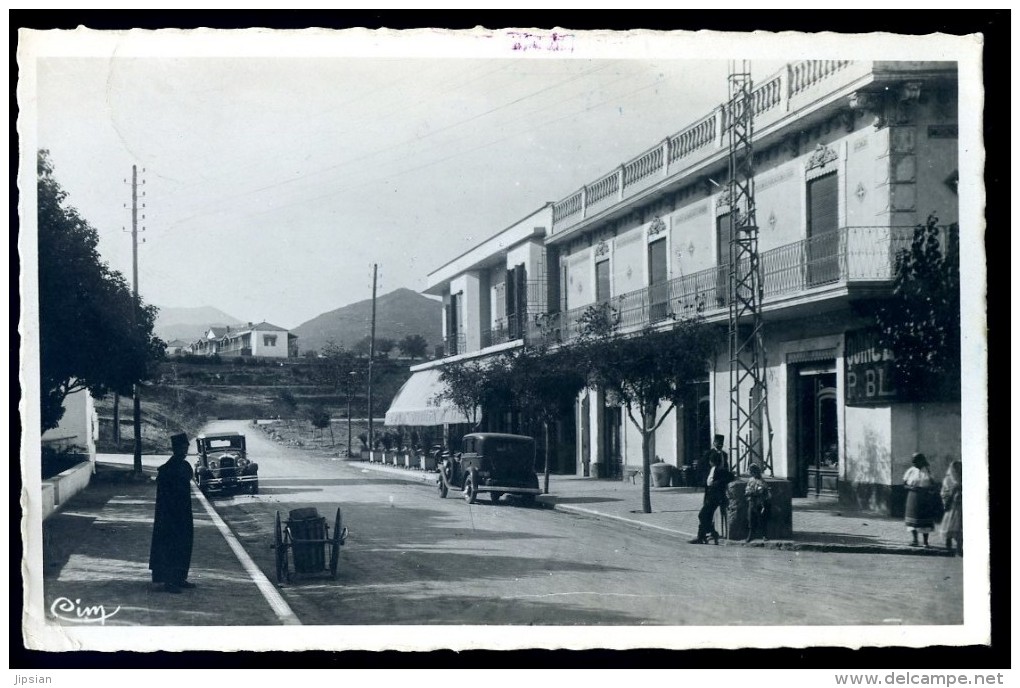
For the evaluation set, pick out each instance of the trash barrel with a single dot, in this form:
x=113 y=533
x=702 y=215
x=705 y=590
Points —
x=305 y=524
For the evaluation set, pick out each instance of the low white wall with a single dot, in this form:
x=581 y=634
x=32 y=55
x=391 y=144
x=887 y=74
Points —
x=69 y=483
x=48 y=505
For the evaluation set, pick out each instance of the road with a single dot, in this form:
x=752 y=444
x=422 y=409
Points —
x=413 y=558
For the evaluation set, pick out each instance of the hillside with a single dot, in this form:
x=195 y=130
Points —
x=398 y=314
x=189 y=323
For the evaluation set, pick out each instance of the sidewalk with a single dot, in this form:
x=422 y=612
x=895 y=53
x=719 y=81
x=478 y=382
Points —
x=819 y=524
x=96 y=552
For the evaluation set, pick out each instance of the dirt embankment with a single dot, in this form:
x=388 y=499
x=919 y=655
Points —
x=188 y=393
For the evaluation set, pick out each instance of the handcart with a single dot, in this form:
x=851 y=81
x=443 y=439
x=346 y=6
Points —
x=306 y=535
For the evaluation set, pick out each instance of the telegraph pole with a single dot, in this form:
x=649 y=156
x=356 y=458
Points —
x=134 y=314
x=371 y=356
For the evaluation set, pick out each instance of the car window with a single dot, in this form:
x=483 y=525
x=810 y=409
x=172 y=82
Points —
x=224 y=443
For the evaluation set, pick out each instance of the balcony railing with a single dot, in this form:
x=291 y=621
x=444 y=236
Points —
x=498 y=334
x=771 y=99
x=850 y=255
x=452 y=345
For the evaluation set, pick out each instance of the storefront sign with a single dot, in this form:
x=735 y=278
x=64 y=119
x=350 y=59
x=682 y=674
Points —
x=869 y=370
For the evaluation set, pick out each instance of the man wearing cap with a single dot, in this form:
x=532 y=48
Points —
x=702 y=467
x=715 y=498
x=173 y=528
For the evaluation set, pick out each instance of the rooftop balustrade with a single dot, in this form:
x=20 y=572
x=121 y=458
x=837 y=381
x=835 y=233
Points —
x=797 y=85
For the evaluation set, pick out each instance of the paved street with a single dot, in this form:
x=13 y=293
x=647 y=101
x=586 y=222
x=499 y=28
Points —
x=412 y=558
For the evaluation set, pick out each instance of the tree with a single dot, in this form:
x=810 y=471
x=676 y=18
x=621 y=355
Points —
x=91 y=335
x=469 y=386
x=543 y=384
x=643 y=370
x=363 y=346
x=384 y=345
x=414 y=346
x=345 y=373
x=920 y=324
x=319 y=418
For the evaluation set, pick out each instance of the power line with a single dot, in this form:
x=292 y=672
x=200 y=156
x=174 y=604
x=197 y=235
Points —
x=391 y=173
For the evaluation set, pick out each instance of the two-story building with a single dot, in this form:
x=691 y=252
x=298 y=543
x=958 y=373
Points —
x=261 y=340
x=849 y=157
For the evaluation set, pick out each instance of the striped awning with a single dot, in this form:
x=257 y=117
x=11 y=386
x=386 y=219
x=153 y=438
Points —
x=415 y=403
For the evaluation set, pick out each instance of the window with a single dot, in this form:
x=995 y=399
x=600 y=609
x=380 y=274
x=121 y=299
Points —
x=658 y=286
x=602 y=280
x=269 y=340
x=722 y=252
x=822 y=229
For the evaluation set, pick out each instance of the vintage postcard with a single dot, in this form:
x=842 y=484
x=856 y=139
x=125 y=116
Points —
x=502 y=339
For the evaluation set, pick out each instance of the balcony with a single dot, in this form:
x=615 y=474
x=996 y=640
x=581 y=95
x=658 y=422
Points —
x=792 y=92
x=452 y=345
x=815 y=268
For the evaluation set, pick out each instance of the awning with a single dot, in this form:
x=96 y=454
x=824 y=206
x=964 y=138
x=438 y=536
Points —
x=415 y=403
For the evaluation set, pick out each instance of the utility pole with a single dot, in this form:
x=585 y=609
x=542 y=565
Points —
x=750 y=425
x=134 y=314
x=371 y=356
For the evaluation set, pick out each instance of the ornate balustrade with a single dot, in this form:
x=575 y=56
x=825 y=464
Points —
x=692 y=143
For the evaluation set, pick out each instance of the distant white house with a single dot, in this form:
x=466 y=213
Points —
x=210 y=341
x=262 y=340
x=176 y=347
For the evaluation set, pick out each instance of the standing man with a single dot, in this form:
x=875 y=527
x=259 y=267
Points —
x=173 y=531
x=715 y=497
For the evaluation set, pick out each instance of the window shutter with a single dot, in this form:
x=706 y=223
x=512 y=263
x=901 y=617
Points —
x=823 y=205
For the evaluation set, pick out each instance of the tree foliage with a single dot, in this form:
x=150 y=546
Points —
x=470 y=386
x=541 y=384
x=921 y=322
x=645 y=372
x=340 y=369
x=384 y=345
x=90 y=335
x=414 y=346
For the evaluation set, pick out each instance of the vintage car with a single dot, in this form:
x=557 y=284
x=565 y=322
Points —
x=491 y=462
x=223 y=464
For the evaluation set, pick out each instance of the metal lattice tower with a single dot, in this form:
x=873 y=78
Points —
x=750 y=439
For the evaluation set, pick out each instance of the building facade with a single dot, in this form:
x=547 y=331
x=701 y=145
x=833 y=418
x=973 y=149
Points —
x=262 y=340
x=849 y=158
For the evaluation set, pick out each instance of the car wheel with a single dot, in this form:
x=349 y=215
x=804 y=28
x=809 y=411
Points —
x=470 y=491
x=255 y=488
x=494 y=496
x=528 y=499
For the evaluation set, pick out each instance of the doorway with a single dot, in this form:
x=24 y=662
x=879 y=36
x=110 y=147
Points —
x=817 y=434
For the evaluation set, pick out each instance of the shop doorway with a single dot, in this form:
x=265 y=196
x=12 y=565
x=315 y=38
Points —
x=697 y=423
x=817 y=432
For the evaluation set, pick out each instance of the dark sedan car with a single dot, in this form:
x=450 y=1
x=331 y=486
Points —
x=223 y=464
x=491 y=462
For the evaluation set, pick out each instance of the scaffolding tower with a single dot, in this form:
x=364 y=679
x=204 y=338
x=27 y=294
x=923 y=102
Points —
x=750 y=438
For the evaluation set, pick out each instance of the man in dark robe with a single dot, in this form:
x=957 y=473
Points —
x=173 y=530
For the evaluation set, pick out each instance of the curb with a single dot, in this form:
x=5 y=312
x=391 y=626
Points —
x=548 y=502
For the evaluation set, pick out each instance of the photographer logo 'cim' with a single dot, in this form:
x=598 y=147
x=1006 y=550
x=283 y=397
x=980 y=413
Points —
x=66 y=609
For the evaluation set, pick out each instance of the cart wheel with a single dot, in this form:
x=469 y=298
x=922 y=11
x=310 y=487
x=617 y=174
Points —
x=281 y=553
x=443 y=489
x=470 y=493
x=494 y=496
x=334 y=555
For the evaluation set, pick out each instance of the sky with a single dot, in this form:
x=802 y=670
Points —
x=272 y=183
x=276 y=168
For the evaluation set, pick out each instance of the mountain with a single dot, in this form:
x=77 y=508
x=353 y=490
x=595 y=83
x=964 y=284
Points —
x=398 y=314
x=189 y=323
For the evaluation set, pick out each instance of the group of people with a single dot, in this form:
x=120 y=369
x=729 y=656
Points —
x=925 y=499
x=756 y=493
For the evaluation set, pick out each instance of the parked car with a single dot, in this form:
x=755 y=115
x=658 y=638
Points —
x=223 y=464
x=491 y=462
